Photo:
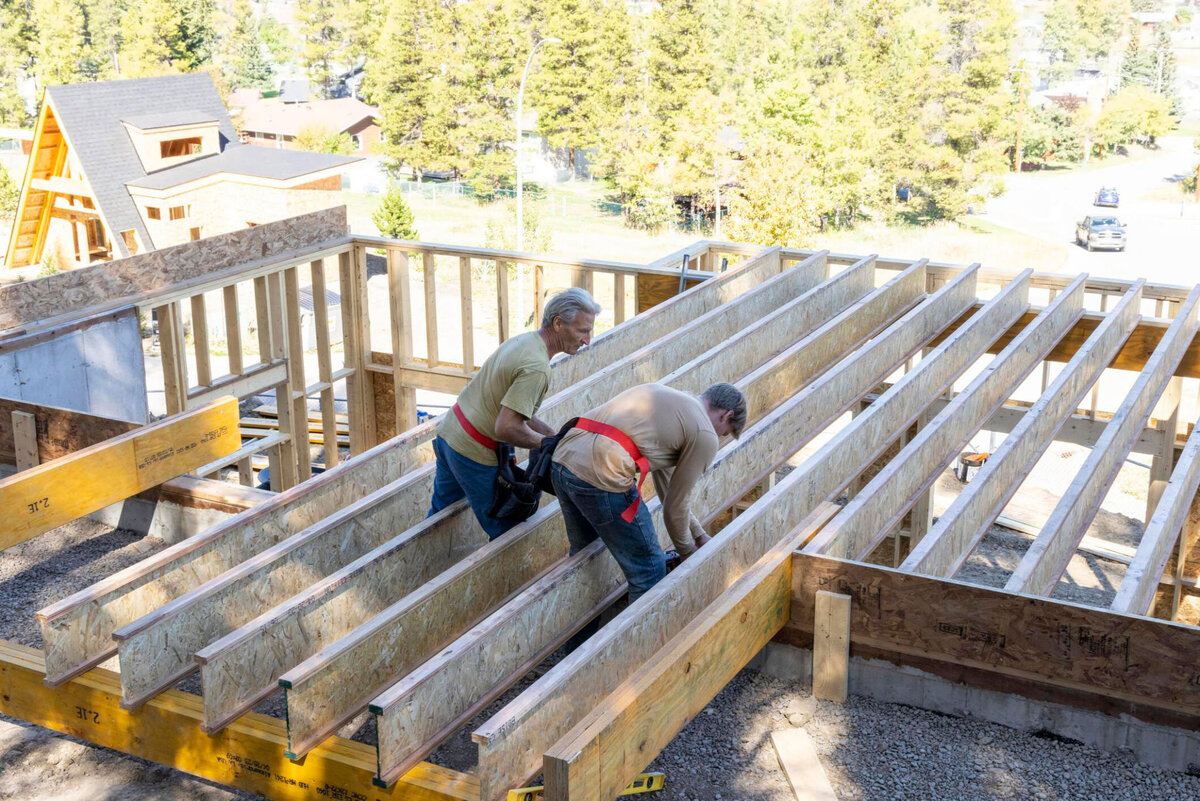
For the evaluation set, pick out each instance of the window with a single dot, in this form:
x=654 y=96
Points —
x=179 y=147
x=153 y=213
x=178 y=212
x=130 y=239
x=195 y=234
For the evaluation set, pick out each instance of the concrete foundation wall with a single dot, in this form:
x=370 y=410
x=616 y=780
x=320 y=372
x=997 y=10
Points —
x=1160 y=746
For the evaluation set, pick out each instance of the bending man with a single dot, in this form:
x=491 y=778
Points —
x=500 y=403
x=600 y=464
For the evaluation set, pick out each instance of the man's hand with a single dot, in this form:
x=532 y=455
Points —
x=703 y=540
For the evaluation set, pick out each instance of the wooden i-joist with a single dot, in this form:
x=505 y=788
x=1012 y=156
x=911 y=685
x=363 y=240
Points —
x=343 y=595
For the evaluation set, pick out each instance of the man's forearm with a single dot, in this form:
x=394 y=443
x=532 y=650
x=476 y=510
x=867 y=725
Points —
x=541 y=427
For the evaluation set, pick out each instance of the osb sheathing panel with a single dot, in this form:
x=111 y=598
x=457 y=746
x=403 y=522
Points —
x=338 y=682
x=767 y=444
x=433 y=698
x=30 y=301
x=948 y=544
x=870 y=516
x=247 y=663
x=511 y=744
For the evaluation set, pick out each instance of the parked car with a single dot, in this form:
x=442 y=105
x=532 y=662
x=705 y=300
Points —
x=1103 y=232
x=1107 y=196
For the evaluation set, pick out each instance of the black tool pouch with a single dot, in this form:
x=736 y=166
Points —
x=537 y=469
x=514 y=497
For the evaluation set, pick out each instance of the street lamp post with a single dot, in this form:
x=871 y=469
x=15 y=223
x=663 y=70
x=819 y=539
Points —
x=520 y=113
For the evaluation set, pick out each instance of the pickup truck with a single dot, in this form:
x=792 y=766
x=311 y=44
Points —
x=1103 y=232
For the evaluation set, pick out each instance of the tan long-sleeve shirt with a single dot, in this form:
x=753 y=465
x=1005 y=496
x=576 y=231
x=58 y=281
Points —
x=673 y=432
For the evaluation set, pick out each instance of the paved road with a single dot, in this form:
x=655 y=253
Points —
x=1164 y=235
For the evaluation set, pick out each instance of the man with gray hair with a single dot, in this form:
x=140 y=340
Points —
x=600 y=464
x=500 y=405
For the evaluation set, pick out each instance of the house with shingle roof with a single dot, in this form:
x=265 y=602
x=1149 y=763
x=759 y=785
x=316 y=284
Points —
x=275 y=123
x=125 y=167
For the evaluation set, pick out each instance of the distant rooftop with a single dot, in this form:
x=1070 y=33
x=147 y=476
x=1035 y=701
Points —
x=288 y=119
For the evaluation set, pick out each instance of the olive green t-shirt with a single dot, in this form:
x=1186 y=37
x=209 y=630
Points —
x=517 y=375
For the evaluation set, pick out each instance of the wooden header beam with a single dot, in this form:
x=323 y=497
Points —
x=992 y=638
x=247 y=756
x=56 y=492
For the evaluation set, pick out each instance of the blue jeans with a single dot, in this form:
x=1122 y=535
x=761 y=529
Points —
x=590 y=512
x=458 y=477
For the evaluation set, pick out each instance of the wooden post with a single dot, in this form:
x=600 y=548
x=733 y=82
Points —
x=431 y=322
x=502 y=318
x=356 y=345
x=174 y=357
x=233 y=329
x=24 y=427
x=618 y=298
x=200 y=341
x=297 y=384
x=262 y=317
x=324 y=363
x=400 y=296
x=467 y=311
x=831 y=646
x=295 y=429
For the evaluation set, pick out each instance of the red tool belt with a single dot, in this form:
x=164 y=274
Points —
x=474 y=432
x=621 y=438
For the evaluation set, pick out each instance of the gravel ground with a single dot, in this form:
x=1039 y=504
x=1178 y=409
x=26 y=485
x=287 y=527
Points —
x=887 y=752
x=53 y=565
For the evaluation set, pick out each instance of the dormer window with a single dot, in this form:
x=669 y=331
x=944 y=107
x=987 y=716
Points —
x=188 y=146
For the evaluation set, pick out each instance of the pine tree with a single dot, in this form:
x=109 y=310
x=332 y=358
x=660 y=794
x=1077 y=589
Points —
x=14 y=55
x=195 y=38
x=408 y=79
x=1139 y=66
x=485 y=84
x=103 y=33
x=10 y=194
x=253 y=70
x=678 y=62
x=359 y=21
x=323 y=46
x=57 y=41
x=150 y=36
x=577 y=83
x=394 y=218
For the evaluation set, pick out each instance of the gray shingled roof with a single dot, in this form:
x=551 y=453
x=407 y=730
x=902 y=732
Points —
x=167 y=119
x=260 y=162
x=91 y=113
